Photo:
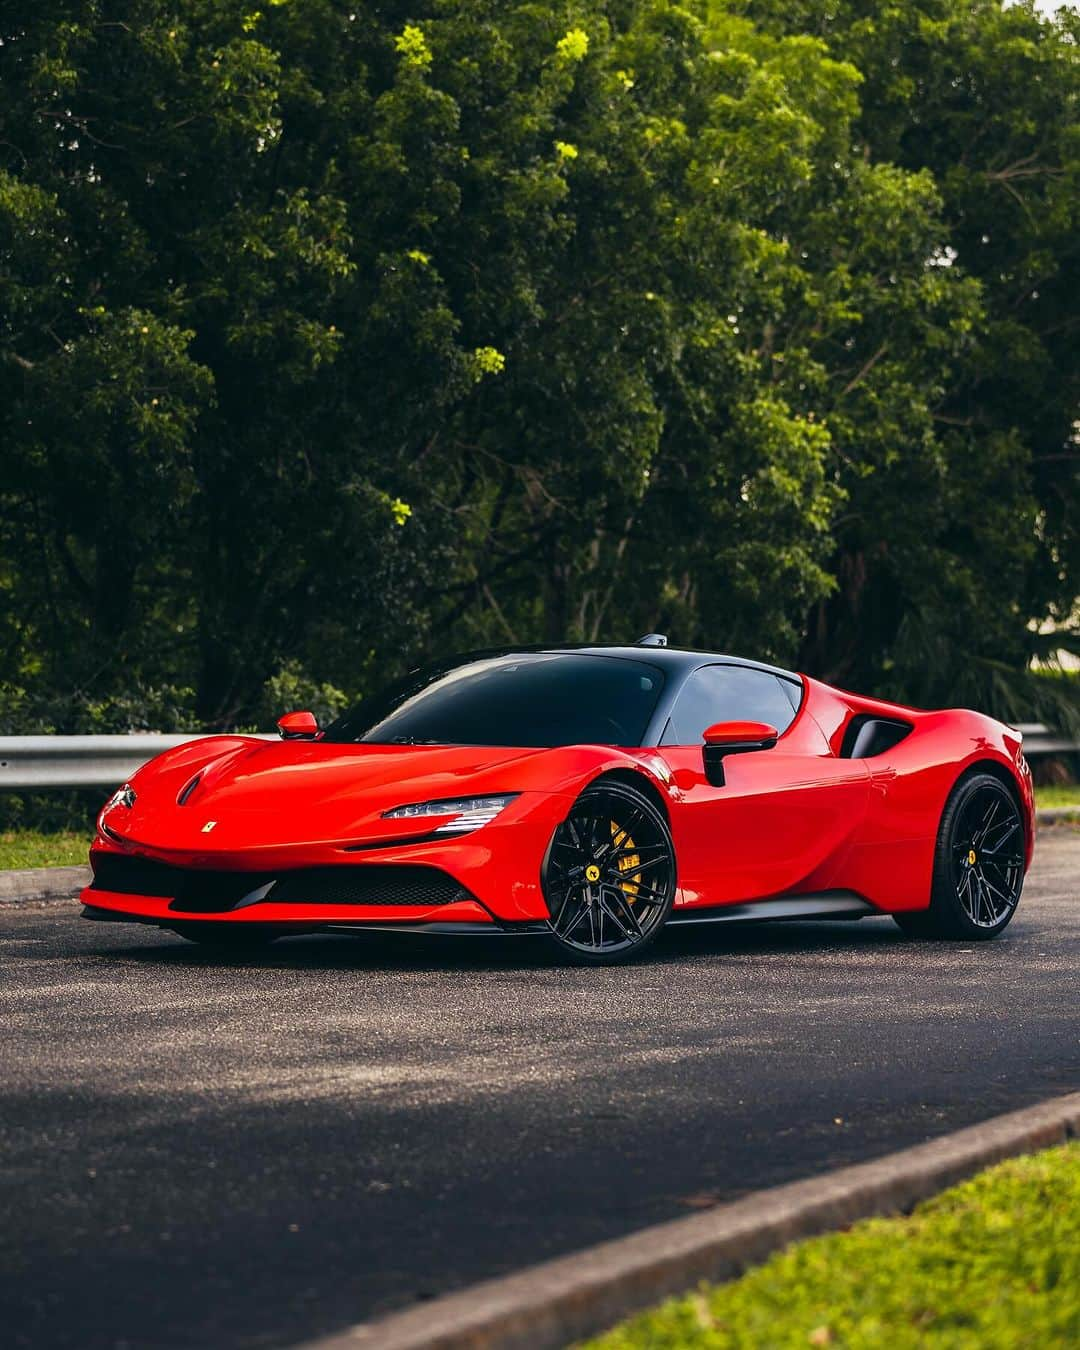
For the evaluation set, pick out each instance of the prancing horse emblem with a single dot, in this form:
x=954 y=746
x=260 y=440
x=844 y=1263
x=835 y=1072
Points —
x=208 y=826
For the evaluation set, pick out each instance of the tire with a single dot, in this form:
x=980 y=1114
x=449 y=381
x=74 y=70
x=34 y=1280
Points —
x=227 y=939
x=978 y=865
x=609 y=876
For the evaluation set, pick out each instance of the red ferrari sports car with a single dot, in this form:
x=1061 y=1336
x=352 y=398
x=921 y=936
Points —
x=592 y=794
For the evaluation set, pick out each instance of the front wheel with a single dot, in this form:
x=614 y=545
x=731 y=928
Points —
x=978 y=865
x=609 y=875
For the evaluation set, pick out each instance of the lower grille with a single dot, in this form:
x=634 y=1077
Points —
x=197 y=891
x=134 y=876
x=370 y=885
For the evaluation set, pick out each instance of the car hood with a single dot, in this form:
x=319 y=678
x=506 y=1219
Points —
x=259 y=794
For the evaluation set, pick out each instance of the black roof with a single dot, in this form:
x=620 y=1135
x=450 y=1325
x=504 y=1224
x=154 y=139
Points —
x=669 y=658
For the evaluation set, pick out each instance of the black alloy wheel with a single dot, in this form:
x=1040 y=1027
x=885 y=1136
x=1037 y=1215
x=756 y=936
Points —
x=978 y=864
x=609 y=875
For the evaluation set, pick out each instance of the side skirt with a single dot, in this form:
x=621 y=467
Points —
x=823 y=905
x=524 y=929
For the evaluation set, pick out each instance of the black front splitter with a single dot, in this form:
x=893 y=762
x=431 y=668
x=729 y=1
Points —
x=526 y=929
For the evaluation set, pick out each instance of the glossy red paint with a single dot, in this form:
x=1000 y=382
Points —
x=739 y=733
x=795 y=819
x=298 y=726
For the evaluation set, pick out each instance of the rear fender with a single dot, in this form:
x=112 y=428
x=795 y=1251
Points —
x=910 y=784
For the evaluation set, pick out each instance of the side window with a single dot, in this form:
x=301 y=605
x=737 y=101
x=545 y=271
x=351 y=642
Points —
x=727 y=694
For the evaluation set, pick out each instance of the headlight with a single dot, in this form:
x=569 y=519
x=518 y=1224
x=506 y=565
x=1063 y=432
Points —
x=123 y=796
x=468 y=813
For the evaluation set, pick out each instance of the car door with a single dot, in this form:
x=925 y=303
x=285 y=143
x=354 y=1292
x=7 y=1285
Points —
x=783 y=819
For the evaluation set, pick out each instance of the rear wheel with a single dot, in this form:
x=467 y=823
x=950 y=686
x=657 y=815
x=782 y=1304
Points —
x=609 y=875
x=978 y=865
x=234 y=939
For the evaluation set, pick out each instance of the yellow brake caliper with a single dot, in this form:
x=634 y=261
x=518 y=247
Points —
x=621 y=839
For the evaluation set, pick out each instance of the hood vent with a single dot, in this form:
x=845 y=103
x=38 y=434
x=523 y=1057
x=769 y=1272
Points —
x=188 y=789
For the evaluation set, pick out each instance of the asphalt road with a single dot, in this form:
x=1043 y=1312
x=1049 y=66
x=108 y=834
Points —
x=250 y=1153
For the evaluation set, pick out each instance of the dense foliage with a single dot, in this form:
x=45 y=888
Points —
x=335 y=336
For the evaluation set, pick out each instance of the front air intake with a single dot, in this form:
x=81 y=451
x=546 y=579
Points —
x=373 y=884
x=203 y=891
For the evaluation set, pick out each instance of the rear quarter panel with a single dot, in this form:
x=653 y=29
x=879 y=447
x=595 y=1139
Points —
x=892 y=863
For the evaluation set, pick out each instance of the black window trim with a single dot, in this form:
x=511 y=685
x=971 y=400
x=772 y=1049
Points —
x=656 y=732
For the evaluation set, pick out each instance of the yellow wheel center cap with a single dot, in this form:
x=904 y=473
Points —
x=971 y=858
x=592 y=872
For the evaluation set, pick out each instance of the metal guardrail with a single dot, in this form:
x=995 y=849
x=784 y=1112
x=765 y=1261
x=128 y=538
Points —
x=1040 y=740
x=39 y=762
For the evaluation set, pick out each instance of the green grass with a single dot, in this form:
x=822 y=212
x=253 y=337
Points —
x=1058 y=796
x=30 y=848
x=994 y=1262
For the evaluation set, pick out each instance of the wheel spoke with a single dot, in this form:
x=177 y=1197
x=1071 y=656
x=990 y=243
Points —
x=643 y=891
x=616 y=918
x=562 y=908
x=623 y=915
x=987 y=821
x=626 y=830
x=963 y=893
x=994 y=890
x=1013 y=826
x=581 y=917
x=631 y=872
x=564 y=930
x=974 y=897
x=987 y=903
x=635 y=850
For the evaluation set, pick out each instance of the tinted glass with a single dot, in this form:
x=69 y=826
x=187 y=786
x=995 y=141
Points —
x=534 y=698
x=727 y=694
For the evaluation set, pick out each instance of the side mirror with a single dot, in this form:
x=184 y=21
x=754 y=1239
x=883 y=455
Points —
x=298 y=726
x=733 y=738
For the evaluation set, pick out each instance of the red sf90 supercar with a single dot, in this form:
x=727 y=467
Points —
x=591 y=794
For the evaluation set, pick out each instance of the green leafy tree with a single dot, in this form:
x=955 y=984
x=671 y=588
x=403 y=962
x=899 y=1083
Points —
x=963 y=543
x=334 y=337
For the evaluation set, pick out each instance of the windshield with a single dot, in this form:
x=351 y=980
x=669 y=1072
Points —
x=528 y=699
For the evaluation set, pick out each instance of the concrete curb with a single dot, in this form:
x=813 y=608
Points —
x=562 y=1300
x=34 y=884
x=30 y=885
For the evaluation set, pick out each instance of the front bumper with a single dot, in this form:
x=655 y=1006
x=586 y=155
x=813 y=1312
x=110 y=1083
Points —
x=489 y=878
